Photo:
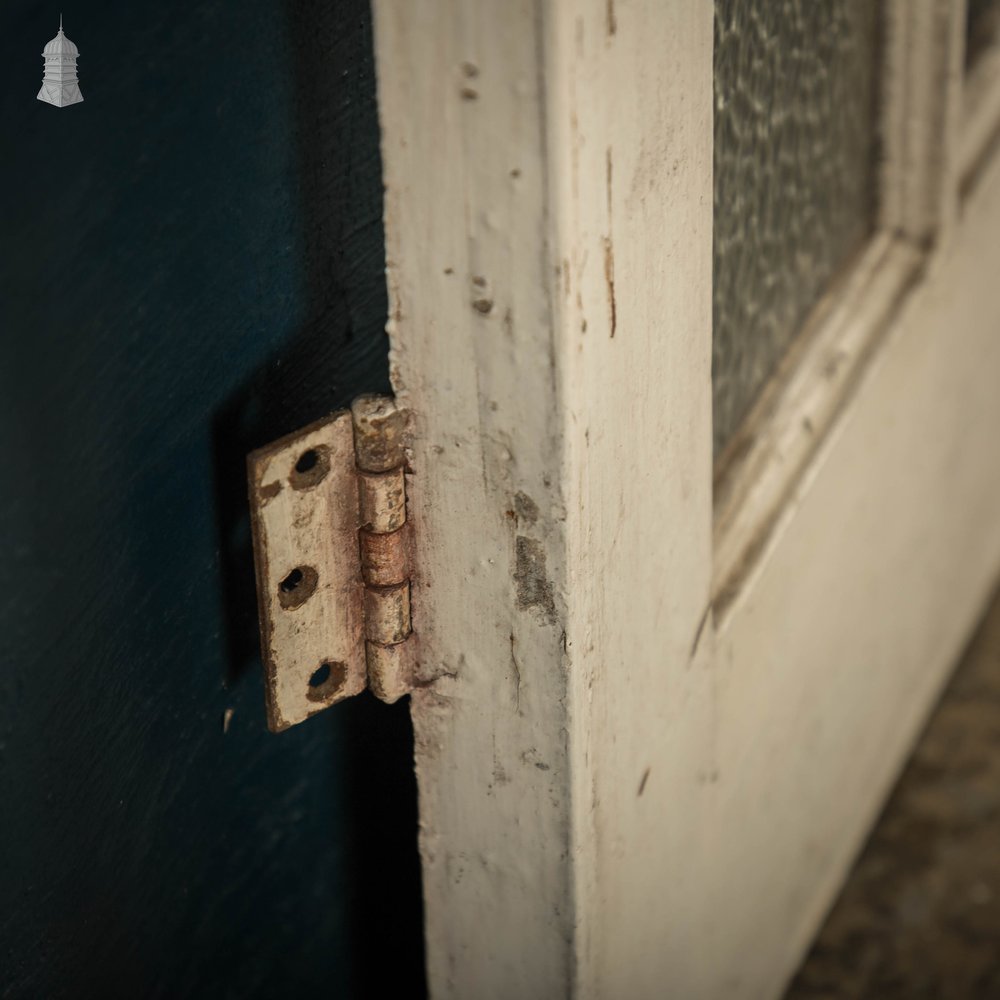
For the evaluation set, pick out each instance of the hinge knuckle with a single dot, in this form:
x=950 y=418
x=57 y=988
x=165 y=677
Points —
x=382 y=498
x=390 y=671
x=387 y=614
x=379 y=434
x=385 y=557
x=380 y=452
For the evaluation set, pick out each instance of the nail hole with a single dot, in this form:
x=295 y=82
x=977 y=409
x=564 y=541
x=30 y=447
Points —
x=296 y=588
x=307 y=460
x=327 y=681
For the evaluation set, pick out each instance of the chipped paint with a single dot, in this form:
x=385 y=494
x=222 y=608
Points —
x=534 y=589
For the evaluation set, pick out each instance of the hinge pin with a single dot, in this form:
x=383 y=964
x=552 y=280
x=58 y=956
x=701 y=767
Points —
x=379 y=450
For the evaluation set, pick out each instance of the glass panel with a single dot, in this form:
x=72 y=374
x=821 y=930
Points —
x=796 y=86
x=982 y=28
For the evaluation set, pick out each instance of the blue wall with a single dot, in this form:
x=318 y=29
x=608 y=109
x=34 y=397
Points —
x=191 y=264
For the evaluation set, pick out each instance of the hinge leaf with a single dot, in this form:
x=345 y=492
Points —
x=332 y=555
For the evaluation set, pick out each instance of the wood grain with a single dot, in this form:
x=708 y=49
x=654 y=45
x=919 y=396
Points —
x=548 y=226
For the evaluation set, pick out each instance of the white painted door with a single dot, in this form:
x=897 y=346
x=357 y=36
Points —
x=664 y=697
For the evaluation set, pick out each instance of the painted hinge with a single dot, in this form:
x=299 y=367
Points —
x=332 y=546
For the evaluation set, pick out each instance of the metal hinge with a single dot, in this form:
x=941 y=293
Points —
x=331 y=545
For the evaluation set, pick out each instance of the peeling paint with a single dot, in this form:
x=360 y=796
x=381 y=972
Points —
x=525 y=508
x=534 y=589
x=269 y=491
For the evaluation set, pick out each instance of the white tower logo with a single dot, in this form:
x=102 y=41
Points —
x=59 y=85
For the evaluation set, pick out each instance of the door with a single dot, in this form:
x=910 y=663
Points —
x=191 y=264
x=669 y=673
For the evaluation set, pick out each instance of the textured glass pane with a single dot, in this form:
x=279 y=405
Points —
x=982 y=28
x=795 y=156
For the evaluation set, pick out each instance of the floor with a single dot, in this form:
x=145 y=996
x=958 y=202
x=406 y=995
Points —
x=920 y=914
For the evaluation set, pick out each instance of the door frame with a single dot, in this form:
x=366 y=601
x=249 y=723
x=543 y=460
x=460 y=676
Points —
x=656 y=716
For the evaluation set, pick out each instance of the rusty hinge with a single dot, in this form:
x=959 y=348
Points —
x=331 y=545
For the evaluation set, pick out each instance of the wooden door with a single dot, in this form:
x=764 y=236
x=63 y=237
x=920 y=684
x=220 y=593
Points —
x=666 y=693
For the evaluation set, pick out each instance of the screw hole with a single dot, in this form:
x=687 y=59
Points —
x=296 y=588
x=307 y=460
x=327 y=681
x=320 y=675
x=311 y=468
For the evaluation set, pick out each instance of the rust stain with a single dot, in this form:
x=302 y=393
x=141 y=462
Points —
x=332 y=685
x=380 y=429
x=611 y=21
x=297 y=587
x=385 y=556
x=270 y=491
x=311 y=467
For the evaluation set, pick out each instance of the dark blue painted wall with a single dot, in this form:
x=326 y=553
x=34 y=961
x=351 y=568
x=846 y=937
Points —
x=191 y=264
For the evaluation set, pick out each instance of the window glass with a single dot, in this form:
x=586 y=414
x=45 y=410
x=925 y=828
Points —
x=796 y=88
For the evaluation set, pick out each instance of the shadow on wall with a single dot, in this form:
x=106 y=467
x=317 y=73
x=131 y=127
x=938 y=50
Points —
x=335 y=355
